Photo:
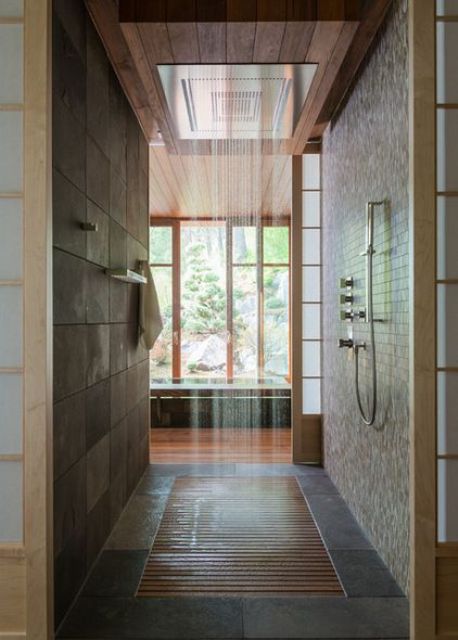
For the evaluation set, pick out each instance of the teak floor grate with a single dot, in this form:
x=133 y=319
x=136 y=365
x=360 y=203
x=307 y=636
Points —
x=232 y=536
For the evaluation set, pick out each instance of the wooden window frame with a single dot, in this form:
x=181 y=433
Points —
x=229 y=222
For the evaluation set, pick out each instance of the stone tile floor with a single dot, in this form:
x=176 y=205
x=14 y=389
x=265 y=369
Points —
x=106 y=609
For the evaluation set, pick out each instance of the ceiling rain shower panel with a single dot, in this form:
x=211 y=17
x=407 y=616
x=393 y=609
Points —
x=253 y=101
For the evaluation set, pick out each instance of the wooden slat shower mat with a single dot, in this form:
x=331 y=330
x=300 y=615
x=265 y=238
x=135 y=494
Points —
x=231 y=536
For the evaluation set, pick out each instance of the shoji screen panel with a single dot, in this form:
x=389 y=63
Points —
x=11 y=271
x=447 y=316
x=311 y=284
x=306 y=308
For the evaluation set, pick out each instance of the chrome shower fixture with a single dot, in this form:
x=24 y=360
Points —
x=369 y=418
x=367 y=315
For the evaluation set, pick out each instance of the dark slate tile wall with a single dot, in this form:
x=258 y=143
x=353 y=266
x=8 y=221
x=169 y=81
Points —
x=100 y=170
x=365 y=157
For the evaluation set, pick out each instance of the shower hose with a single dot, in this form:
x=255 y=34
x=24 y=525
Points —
x=369 y=417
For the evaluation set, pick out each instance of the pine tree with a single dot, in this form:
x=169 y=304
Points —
x=204 y=299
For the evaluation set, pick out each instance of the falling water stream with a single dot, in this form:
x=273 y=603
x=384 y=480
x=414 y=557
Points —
x=248 y=213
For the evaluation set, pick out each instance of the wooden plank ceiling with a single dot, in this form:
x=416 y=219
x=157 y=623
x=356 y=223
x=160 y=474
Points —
x=194 y=178
x=140 y=34
x=218 y=185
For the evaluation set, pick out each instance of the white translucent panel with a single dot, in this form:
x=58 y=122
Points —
x=11 y=69
x=311 y=358
x=447 y=495
x=311 y=246
x=311 y=395
x=10 y=326
x=10 y=413
x=447 y=7
x=447 y=324
x=11 y=8
x=447 y=149
x=311 y=171
x=447 y=67
x=311 y=201
x=10 y=501
x=10 y=239
x=311 y=321
x=11 y=151
x=447 y=237
x=447 y=412
x=311 y=284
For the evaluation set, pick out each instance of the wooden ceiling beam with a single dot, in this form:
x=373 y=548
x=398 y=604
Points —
x=331 y=52
x=150 y=83
x=104 y=14
x=239 y=10
x=372 y=19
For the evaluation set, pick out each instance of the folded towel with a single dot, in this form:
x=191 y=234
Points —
x=150 y=320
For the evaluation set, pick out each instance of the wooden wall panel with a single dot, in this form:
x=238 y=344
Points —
x=422 y=414
x=447 y=596
x=12 y=596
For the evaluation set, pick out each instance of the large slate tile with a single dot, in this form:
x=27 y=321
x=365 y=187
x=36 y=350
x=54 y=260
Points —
x=316 y=484
x=136 y=352
x=68 y=144
x=138 y=523
x=70 y=360
x=155 y=618
x=118 y=446
x=97 y=295
x=97 y=412
x=118 y=130
x=143 y=209
x=69 y=573
x=144 y=426
x=98 y=528
x=118 y=397
x=69 y=211
x=97 y=472
x=133 y=450
x=69 y=288
x=118 y=348
x=116 y=574
x=118 y=301
x=98 y=248
x=363 y=574
x=118 y=494
x=98 y=175
x=97 y=82
x=69 y=504
x=98 y=353
x=336 y=523
x=118 y=246
x=155 y=485
x=69 y=71
x=72 y=14
x=118 y=198
x=69 y=432
x=296 y=617
x=132 y=387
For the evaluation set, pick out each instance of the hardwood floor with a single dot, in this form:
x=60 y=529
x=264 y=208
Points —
x=175 y=445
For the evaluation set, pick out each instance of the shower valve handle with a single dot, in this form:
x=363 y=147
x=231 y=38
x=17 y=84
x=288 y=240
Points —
x=345 y=343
